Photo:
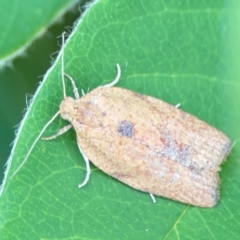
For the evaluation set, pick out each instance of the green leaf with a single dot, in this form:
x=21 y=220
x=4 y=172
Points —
x=21 y=23
x=187 y=53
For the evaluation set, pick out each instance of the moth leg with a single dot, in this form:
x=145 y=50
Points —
x=152 y=197
x=87 y=166
x=116 y=78
x=177 y=105
x=75 y=90
x=83 y=93
x=60 y=132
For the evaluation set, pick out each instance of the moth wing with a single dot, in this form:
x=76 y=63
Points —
x=150 y=145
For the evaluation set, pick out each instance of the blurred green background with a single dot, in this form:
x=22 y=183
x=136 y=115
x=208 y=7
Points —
x=19 y=81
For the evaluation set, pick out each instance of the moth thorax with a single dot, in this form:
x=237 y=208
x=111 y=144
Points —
x=67 y=110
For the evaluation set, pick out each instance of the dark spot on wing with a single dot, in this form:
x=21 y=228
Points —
x=126 y=128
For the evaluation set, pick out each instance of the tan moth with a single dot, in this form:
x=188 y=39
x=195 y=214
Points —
x=144 y=142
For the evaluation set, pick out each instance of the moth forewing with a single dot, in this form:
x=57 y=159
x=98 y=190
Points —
x=150 y=145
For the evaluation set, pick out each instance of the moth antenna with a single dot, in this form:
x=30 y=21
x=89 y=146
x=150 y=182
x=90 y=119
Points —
x=116 y=78
x=87 y=166
x=62 y=70
x=34 y=143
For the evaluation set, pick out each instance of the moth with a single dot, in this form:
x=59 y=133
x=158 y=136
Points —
x=145 y=143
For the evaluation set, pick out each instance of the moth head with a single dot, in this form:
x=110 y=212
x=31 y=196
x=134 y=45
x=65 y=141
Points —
x=67 y=110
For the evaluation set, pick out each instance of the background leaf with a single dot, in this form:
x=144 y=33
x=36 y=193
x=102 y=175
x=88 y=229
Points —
x=184 y=53
x=22 y=23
